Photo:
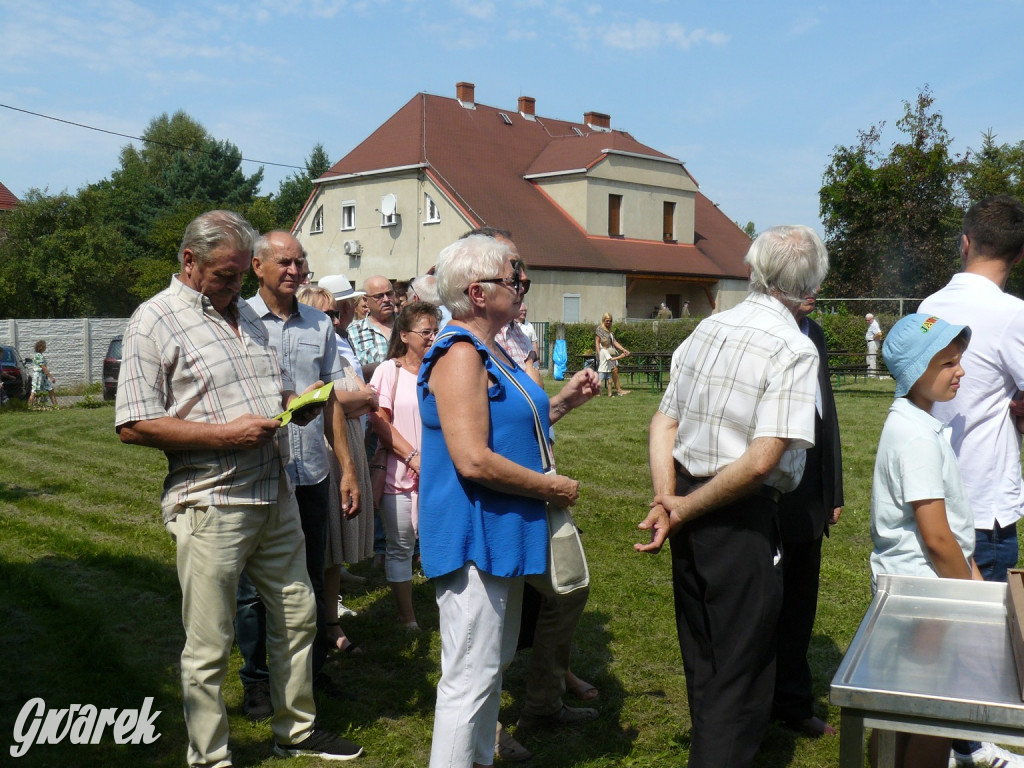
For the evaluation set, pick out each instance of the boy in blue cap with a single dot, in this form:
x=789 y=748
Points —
x=921 y=522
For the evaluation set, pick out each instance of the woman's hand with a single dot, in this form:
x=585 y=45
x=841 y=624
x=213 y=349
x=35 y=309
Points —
x=583 y=386
x=564 y=491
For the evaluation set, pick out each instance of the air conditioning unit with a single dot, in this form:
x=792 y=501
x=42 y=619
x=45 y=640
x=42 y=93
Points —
x=353 y=247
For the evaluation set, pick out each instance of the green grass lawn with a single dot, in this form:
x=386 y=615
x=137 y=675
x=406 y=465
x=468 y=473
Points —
x=91 y=604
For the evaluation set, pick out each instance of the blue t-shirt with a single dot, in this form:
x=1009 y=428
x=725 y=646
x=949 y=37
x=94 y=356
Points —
x=462 y=521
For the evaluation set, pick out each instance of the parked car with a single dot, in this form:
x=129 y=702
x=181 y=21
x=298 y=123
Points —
x=14 y=382
x=111 y=368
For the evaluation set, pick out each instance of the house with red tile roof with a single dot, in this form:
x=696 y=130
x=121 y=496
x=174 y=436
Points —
x=7 y=199
x=604 y=222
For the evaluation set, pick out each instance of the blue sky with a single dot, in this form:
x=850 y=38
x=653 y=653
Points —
x=753 y=97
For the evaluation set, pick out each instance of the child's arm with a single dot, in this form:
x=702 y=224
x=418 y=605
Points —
x=940 y=546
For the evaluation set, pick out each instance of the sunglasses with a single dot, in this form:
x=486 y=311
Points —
x=516 y=283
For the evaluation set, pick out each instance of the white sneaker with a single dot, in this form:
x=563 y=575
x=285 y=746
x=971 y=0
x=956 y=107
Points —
x=344 y=611
x=986 y=756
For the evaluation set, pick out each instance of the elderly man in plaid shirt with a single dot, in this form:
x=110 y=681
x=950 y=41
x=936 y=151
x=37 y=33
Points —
x=370 y=336
x=729 y=437
x=200 y=381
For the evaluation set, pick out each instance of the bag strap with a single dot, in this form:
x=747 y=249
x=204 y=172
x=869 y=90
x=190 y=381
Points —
x=546 y=459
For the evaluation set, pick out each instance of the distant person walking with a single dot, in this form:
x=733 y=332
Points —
x=873 y=338
x=42 y=379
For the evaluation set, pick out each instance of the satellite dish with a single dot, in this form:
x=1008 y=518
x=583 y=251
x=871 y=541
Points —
x=388 y=205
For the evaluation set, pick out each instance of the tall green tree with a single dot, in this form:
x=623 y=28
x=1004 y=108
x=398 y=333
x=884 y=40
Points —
x=58 y=260
x=891 y=219
x=297 y=187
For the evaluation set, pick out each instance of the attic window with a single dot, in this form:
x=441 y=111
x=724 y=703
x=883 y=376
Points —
x=432 y=215
x=577 y=131
x=505 y=118
x=317 y=225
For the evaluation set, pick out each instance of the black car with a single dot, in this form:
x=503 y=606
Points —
x=111 y=368
x=13 y=377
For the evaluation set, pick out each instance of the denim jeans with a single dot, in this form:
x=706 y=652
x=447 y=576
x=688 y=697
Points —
x=995 y=551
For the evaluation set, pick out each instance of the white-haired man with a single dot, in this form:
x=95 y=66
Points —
x=729 y=437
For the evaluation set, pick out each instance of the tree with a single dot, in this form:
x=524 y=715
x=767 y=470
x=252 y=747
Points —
x=891 y=221
x=60 y=260
x=297 y=187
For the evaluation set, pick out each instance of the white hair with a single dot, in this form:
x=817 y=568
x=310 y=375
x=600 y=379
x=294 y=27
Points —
x=477 y=257
x=788 y=262
x=425 y=288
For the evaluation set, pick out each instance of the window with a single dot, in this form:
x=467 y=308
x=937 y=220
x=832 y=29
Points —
x=431 y=214
x=317 y=224
x=388 y=210
x=614 y=215
x=570 y=307
x=348 y=214
x=668 y=225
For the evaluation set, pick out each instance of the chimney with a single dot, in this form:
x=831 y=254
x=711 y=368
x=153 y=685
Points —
x=598 y=121
x=466 y=94
x=527 y=106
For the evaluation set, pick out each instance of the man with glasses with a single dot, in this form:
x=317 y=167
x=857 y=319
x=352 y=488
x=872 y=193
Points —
x=304 y=341
x=370 y=335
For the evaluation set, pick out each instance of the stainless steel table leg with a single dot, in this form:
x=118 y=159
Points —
x=851 y=740
x=886 y=749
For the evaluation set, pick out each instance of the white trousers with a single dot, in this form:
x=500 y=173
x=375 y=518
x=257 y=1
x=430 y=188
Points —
x=396 y=514
x=479 y=616
x=214 y=545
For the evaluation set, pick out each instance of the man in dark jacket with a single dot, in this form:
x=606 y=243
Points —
x=804 y=517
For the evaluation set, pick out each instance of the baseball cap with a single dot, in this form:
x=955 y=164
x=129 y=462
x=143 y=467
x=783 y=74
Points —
x=913 y=342
x=340 y=287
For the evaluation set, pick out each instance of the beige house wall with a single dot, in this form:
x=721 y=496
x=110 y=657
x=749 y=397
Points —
x=730 y=293
x=401 y=251
x=599 y=292
x=645 y=185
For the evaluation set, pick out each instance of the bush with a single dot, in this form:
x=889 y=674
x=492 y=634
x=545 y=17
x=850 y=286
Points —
x=843 y=333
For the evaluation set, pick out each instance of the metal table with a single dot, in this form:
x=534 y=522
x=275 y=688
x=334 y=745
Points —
x=931 y=656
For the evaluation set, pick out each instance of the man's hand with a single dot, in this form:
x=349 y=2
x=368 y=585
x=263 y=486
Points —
x=658 y=523
x=250 y=431
x=835 y=515
x=1017 y=411
x=303 y=416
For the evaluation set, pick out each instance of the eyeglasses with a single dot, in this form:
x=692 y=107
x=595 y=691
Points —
x=304 y=276
x=379 y=296
x=425 y=334
x=515 y=283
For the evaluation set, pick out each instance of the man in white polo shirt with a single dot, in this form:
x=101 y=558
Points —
x=984 y=433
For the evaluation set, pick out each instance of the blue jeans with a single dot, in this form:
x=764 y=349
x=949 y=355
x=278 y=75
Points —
x=995 y=551
x=250 y=616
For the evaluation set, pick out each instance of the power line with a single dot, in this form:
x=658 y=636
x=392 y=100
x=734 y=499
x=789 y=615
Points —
x=139 y=138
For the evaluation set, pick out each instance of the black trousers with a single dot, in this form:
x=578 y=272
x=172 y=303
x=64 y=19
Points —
x=727 y=584
x=801 y=569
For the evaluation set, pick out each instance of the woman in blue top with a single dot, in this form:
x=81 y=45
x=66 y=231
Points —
x=482 y=492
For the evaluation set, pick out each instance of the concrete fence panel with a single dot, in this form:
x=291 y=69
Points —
x=74 y=347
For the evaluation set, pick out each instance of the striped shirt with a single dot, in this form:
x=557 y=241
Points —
x=183 y=360
x=742 y=374
x=369 y=341
x=514 y=340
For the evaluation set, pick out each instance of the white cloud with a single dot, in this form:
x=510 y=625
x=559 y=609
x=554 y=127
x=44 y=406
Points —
x=483 y=10
x=644 y=34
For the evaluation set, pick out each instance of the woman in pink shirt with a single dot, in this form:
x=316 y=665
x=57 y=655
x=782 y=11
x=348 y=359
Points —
x=397 y=423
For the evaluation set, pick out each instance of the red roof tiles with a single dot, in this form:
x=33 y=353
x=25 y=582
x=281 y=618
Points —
x=7 y=199
x=482 y=160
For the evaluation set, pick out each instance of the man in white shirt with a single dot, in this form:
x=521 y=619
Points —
x=984 y=433
x=730 y=437
x=872 y=337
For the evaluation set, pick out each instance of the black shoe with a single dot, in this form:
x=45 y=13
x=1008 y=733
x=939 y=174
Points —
x=321 y=744
x=256 y=701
